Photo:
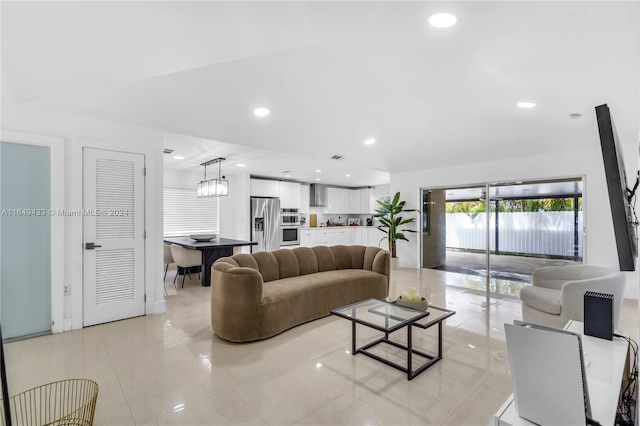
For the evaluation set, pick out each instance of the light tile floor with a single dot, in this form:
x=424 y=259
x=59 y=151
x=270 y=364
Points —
x=171 y=369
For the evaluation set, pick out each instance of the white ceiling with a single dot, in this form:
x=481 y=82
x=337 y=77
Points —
x=333 y=74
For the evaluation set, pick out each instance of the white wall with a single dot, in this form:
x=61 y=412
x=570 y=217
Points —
x=235 y=210
x=181 y=178
x=79 y=132
x=599 y=242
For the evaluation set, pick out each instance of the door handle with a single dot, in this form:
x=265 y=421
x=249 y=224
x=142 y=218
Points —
x=91 y=246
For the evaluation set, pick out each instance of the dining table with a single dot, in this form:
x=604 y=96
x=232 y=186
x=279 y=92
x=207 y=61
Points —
x=211 y=251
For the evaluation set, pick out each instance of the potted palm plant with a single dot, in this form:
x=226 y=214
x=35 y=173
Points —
x=388 y=214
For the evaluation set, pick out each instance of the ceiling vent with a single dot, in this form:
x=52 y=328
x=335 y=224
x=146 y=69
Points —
x=337 y=157
x=167 y=151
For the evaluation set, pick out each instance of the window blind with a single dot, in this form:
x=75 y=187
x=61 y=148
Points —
x=185 y=213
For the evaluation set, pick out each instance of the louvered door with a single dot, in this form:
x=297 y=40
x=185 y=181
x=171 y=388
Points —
x=113 y=221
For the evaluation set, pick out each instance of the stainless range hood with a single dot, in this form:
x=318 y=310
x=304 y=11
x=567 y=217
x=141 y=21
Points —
x=317 y=195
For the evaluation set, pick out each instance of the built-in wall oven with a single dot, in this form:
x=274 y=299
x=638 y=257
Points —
x=289 y=235
x=289 y=217
x=289 y=227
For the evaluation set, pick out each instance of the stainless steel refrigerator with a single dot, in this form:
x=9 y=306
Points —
x=265 y=218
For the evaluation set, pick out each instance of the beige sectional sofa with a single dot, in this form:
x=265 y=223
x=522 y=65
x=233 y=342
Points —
x=258 y=295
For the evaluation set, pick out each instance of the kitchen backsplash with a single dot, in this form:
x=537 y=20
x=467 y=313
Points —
x=338 y=219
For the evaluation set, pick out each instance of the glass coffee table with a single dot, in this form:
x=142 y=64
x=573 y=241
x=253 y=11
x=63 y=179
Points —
x=389 y=317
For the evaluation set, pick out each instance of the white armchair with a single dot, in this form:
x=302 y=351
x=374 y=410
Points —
x=557 y=293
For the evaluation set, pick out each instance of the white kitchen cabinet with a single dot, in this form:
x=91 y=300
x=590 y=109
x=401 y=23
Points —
x=354 y=201
x=324 y=237
x=343 y=201
x=265 y=188
x=338 y=201
x=358 y=236
x=373 y=236
x=289 y=195
x=330 y=236
x=367 y=201
x=333 y=201
x=350 y=201
x=367 y=236
x=307 y=237
x=305 y=198
x=342 y=236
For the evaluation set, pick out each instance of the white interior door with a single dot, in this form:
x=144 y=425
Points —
x=113 y=222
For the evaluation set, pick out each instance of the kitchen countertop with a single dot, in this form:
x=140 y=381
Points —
x=337 y=227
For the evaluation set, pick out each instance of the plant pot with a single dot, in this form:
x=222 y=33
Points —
x=395 y=263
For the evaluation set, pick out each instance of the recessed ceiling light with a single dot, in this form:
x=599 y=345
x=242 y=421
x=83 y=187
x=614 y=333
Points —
x=287 y=175
x=318 y=171
x=370 y=141
x=261 y=112
x=442 y=20
x=178 y=157
x=241 y=165
x=526 y=105
x=317 y=178
x=348 y=175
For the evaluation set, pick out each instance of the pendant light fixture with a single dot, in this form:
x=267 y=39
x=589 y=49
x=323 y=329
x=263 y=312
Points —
x=217 y=187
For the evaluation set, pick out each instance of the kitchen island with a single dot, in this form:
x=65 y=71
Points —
x=211 y=251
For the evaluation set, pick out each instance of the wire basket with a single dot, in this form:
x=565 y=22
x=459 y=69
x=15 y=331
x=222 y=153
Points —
x=66 y=402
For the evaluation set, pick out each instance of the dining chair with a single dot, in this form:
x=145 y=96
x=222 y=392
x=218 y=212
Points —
x=185 y=259
x=168 y=259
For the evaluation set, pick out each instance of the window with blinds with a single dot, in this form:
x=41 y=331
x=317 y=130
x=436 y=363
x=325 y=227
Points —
x=185 y=213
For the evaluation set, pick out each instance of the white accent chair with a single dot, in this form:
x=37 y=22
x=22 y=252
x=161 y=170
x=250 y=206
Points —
x=185 y=259
x=557 y=293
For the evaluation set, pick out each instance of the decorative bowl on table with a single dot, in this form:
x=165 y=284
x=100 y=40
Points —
x=420 y=305
x=203 y=237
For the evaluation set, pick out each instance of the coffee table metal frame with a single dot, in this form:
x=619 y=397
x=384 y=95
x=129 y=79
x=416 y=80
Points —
x=413 y=321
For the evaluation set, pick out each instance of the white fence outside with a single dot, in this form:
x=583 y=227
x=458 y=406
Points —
x=537 y=233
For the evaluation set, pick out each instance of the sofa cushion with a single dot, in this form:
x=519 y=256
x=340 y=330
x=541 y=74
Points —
x=541 y=298
x=232 y=262
x=245 y=260
x=267 y=265
x=319 y=293
x=343 y=257
x=326 y=258
x=369 y=255
x=357 y=256
x=287 y=263
x=307 y=261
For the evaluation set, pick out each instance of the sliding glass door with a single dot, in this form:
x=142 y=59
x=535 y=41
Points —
x=497 y=234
